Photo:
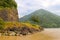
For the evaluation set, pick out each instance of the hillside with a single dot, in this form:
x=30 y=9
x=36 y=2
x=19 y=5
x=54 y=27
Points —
x=42 y=17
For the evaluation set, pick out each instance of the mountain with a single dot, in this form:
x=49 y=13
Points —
x=42 y=17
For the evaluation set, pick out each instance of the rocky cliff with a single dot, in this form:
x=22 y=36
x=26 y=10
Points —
x=9 y=14
x=8 y=10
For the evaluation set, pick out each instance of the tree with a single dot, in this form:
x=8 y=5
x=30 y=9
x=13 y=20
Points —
x=8 y=3
x=35 y=18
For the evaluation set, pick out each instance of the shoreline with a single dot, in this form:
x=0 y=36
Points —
x=47 y=34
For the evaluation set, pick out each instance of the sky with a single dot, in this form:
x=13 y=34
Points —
x=26 y=7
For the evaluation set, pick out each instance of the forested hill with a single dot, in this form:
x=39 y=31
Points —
x=44 y=18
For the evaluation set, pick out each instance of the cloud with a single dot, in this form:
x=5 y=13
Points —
x=27 y=6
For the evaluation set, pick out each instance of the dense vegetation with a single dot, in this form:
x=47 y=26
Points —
x=7 y=28
x=8 y=3
x=44 y=18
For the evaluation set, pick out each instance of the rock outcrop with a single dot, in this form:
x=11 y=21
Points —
x=17 y=31
x=8 y=10
x=9 y=14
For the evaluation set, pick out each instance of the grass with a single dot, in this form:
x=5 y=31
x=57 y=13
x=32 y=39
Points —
x=18 y=24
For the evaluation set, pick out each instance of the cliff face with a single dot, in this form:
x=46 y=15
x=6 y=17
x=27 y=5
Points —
x=9 y=14
x=8 y=10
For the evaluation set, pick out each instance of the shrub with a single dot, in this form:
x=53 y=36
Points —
x=1 y=24
x=12 y=24
x=18 y=24
x=8 y=3
x=31 y=25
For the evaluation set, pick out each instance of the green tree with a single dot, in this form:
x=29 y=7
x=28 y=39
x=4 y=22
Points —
x=8 y=3
x=35 y=18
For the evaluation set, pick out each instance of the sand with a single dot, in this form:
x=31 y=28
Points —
x=47 y=34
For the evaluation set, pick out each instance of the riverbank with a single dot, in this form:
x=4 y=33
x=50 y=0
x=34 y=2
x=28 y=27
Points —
x=47 y=34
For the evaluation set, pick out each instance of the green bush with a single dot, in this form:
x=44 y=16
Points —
x=1 y=24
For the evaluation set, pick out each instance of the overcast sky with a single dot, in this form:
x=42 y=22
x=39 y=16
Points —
x=25 y=7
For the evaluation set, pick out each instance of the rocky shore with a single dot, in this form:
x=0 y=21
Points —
x=18 y=31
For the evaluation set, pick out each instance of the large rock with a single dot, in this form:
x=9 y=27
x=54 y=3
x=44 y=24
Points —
x=9 y=14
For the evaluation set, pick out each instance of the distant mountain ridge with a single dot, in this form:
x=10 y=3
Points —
x=42 y=17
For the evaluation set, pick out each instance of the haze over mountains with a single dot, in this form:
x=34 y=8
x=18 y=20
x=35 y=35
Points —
x=43 y=18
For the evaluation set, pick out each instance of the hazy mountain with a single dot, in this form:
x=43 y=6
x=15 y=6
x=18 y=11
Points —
x=42 y=17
